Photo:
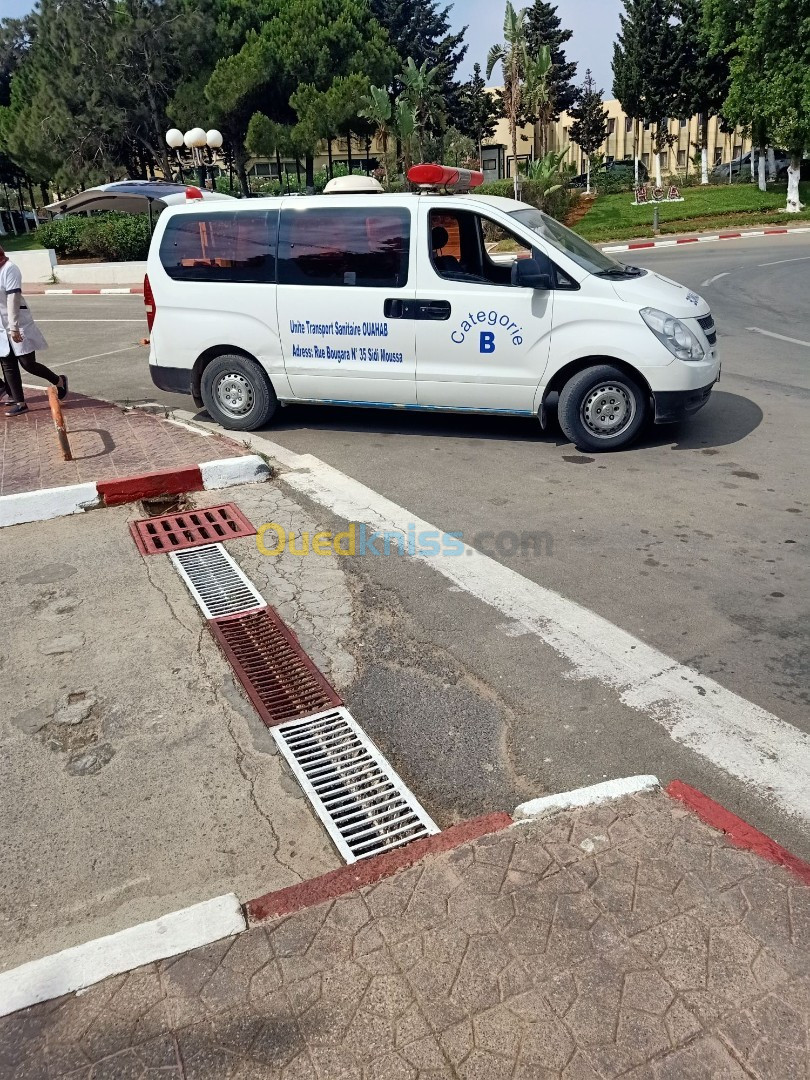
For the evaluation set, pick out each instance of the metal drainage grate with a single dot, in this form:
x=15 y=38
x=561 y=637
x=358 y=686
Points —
x=215 y=581
x=278 y=676
x=171 y=532
x=364 y=805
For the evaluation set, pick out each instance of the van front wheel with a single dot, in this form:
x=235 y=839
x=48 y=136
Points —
x=601 y=408
x=237 y=393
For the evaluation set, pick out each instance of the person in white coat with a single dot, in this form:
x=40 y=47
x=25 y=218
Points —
x=20 y=340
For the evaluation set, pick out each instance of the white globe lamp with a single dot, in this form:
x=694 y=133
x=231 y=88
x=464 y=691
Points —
x=213 y=139
x=174 y=138
x=195 y=138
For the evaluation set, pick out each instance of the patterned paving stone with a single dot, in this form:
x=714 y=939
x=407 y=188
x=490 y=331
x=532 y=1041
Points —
x=621 y=941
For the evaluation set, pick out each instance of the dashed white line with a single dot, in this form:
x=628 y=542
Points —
x=803 y=258
x=712 y=280
x=96 y=356
x=779 y=337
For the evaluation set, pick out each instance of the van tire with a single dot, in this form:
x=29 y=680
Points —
x=584 y=403
x=237 y=393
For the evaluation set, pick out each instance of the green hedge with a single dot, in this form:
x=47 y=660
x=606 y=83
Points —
x=109 y=237
x=558 y=204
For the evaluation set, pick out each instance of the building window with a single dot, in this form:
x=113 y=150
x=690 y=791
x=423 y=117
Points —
x=611 y=126
x=645 y=160
x=737 y=151
x=681 y=159
x=683 y=122
x=628 y=123
x=646 y=125
x=363 y=247
x=663 y=157
x=221 y=247
x=718 y=155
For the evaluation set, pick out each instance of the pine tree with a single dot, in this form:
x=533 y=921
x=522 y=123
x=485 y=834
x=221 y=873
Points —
x=589 y=129
x=646 y=74
x=543 y=28
x=480 y=109
x=421 y=29
x=704 y=73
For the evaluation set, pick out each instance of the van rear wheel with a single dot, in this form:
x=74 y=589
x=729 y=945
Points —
x=237 y=393
x=602 y=408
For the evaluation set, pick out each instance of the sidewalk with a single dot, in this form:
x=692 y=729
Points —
x=624 y=940
x=107 y=442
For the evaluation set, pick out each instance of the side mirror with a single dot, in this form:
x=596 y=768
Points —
x=528 y=274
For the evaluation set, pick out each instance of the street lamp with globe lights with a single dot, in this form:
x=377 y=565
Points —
x=196 y=140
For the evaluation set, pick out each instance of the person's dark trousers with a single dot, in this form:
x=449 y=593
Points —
x=11 y=373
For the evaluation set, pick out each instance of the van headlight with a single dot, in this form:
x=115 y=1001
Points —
x=673 y=333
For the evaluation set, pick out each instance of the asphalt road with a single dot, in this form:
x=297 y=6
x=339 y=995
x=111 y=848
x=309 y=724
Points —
x=695 y=540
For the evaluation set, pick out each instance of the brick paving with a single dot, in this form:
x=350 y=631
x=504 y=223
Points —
x=107 y=442
x=628 y=940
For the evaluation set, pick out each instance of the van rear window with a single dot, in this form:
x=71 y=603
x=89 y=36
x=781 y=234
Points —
x=362 y=247
x=239 y=246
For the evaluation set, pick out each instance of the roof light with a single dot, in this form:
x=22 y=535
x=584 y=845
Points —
x=453 y=181
x=193 y=193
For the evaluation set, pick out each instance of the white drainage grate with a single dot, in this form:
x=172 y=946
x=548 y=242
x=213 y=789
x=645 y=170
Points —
x=215 y=581
x=364 y=805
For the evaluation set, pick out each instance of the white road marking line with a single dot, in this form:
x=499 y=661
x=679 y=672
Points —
x=741 y=738
x=83 y=965
x=586 y=796
x=712 y=280
x=802 y=258
x=779 y=337
x=96 y=356
x=142 y=321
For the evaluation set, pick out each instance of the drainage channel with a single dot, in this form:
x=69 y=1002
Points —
x=363 y=804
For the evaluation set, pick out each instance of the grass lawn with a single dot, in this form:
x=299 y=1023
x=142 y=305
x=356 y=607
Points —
x=24 y=242
x=613 y=217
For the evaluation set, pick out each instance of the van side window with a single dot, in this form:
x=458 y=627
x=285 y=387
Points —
x=467 y=247
x=366 y=246
x=227 y=247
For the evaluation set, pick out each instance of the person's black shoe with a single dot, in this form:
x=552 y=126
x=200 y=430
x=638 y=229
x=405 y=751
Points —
x=61 y=387
x=15 y=410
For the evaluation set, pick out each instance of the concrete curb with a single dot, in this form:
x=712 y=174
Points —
x=739 y=832
x=637 y=245
x=586 y=796
x=27 y=506
x=121 y=290
x=83 y=965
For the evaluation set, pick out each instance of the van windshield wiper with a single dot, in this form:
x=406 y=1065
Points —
x=621 y=272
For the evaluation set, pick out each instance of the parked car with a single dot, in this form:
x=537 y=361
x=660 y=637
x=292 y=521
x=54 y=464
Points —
x=741 y=166
x=622 y=171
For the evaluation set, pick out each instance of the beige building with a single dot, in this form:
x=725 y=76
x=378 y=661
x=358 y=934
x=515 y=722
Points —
x=676 y=159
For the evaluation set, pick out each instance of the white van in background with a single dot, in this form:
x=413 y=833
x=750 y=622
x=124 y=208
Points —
x=454 y=302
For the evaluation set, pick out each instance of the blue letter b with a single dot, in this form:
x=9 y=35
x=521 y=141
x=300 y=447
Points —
x=487 y=341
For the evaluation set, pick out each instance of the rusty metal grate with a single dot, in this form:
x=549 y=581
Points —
x=173 y=532
x=364 y=805
x=278 y=676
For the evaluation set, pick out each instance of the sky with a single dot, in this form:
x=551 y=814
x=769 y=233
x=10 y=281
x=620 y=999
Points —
x=595 y=24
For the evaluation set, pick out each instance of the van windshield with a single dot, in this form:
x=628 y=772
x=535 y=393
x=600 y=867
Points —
x=583 y=253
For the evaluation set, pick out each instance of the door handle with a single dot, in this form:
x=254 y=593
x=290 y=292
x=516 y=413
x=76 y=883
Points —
x=394 y=309
x=433 y=310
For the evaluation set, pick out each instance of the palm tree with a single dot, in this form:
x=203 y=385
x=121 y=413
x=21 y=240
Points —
x=513 y=57
x=538 y=92
x=377 y=109
x=421 y=91
x=405 y=119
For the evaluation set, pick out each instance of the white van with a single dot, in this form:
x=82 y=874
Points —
x=454 y=302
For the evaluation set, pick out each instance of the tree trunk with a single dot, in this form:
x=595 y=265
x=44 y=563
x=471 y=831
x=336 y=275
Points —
x=771 y=164
x=349 y=161
x=513 y=122
x=309 y=162
x=762 y=182
x=635 y=148
x=240 y=162
x=657 y=153
x=31 y=196
x=330 y=169
x=43 y=190
x=794 y=205
x=588 y=176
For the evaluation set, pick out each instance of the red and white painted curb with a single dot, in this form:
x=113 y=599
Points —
x=224 y=916
x=49 y=503
x=637 y=245
x=121 y=290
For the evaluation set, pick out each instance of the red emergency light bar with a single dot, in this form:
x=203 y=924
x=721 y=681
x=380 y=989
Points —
x=442 y=176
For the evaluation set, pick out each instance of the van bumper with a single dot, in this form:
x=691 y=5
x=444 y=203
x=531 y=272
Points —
x=173 y=380
x=674 y=405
